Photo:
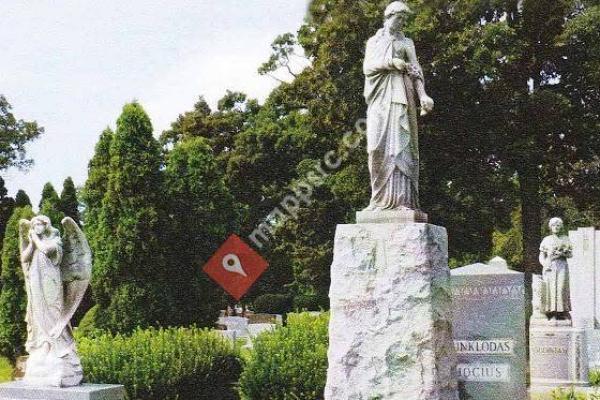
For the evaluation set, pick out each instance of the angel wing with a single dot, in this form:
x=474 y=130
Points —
x=76 y=262
x=76 y=270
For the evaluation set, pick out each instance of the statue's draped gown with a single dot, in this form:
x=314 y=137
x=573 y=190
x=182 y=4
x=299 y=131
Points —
x=45 y=310
x=392 y=137
x=556 y=292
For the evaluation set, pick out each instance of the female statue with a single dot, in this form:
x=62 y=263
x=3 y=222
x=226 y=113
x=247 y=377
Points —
x=56 y=274
x=393 y=75
x=554 y=251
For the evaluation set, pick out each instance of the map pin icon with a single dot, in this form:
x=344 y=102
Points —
x=232 y=263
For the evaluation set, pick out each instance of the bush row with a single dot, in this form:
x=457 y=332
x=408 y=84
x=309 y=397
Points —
x=195 y=364
x=164 y=364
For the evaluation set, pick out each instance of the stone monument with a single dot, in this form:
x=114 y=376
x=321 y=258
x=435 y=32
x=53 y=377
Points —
x=585 y=288
x=57 y=273
x=390 y=328
x=558 y=356
x=489 y=331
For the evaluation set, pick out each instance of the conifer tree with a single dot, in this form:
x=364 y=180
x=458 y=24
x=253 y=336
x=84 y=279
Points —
x=69 y=204
x=129 y=277
x=21 y=199
x=50 y=205
x=7 y=204
x=13 y=299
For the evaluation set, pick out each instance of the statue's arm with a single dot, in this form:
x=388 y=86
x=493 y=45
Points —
x=416 y=72
x=47 y=247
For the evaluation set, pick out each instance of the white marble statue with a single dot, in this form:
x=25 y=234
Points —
x=57 y=273
x=555 y=301
x=393 y=81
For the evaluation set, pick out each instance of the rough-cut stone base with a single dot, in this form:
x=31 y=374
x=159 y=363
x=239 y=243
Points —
x=557 y=356
x=21 y=391
x=390 y=328
x=391 y=217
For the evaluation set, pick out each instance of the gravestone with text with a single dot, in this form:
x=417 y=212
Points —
x=489 y=331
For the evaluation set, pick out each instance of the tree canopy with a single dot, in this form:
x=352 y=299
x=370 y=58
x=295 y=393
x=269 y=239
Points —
x=14 y=135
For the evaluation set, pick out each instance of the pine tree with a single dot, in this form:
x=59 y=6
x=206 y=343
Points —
x=50 y=205
x=48 y=193
x=13 y=299
x=21 y=199
x=129 y=275
x=7 y=204
x=69 y=204
x=92 y=194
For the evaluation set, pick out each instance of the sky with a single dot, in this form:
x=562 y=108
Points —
x=72 y=64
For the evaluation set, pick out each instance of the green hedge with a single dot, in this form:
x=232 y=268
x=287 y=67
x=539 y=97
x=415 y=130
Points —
x=164 y=364
x=289 y=363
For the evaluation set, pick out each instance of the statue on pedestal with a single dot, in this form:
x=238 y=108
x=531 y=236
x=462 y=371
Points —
x=393 y=83
x=552 y=290
x=57 y=273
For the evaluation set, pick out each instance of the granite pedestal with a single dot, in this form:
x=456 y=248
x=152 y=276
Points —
x=390 y=327
x=557 y=356
x=19 y=391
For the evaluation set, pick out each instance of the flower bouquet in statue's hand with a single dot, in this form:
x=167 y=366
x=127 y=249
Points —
x=564 y=250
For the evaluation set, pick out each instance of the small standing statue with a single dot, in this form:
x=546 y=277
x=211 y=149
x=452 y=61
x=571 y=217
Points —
x=555 y=298
x=57 y=273
x=393 y=75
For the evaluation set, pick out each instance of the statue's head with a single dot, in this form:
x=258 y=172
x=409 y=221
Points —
x=396 y=14
x=40 y=224
x=556 y=225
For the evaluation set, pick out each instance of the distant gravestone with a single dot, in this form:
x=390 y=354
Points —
x=489 y=331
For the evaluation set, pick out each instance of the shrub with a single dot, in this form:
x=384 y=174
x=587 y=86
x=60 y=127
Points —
x=288 y=363
x=164 y=364
x=273 y=304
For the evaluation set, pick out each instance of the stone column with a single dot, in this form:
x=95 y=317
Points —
x=390 y=330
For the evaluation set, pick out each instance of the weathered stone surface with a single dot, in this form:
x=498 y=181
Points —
x=390 y=329
x=585 y=288
x=390 y=217
x=557 y=356
x=489 y=331
x=21 y=391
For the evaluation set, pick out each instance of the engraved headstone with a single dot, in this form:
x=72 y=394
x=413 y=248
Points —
x=557 y=355
x=489 y=331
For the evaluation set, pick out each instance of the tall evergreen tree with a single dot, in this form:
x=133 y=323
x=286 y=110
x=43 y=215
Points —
x=202 y=214
x=13 y=299
x=21 y=199
x=49 y=193
x=7 y=204
x=130 y=279
x=50 y=205
x=92 y=194
x=69 y=204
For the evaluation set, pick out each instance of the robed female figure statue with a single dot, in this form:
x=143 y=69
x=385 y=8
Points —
x=57 y=272
x=393 y=80
x=555 y=249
